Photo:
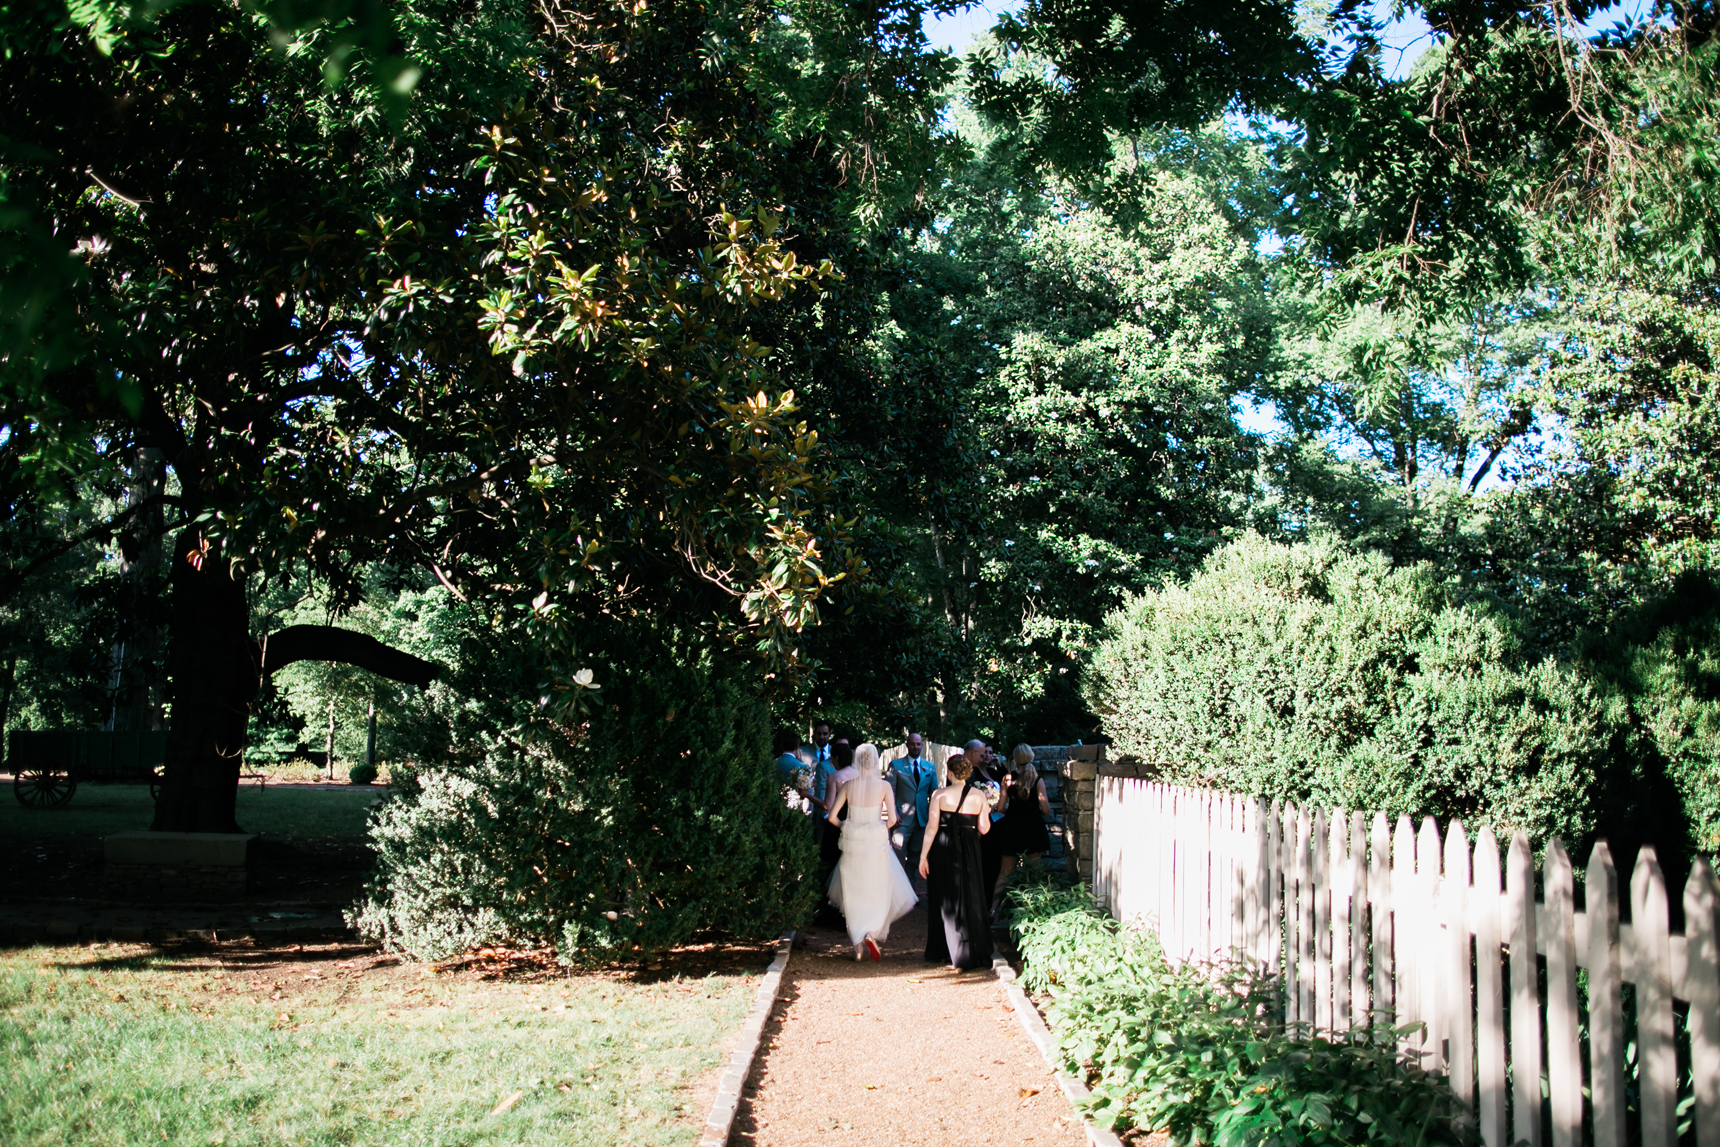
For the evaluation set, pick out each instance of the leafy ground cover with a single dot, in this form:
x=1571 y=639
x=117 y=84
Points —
x=232 y=1044
x=1201 y=1052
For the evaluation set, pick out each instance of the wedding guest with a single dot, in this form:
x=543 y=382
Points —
x=958 y=916
x=829 y=843
x=990 y=772
x=821 y=765
x=1021 y=831
x=913 y=779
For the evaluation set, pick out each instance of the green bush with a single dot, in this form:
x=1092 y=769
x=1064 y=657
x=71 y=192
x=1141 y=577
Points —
x=1200 y=1050
x=362 y=773
x=1310 y=673
x=656 y=818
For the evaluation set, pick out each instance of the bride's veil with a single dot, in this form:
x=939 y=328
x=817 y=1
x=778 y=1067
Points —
x=866 y=761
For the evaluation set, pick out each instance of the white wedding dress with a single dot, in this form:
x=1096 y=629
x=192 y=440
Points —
x=869 y=886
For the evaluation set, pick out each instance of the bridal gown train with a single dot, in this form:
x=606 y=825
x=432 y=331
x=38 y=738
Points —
x=869 y=886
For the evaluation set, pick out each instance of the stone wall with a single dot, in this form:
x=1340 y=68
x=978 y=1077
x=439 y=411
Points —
x=1076 y=768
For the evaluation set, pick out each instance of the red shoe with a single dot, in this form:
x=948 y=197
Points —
x=872 y=949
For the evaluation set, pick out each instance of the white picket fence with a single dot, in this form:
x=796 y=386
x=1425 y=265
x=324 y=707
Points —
x=1365 y=920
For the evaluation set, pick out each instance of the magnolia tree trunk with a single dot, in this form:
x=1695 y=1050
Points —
x=217 y=671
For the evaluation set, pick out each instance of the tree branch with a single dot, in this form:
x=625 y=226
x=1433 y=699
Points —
x=12 y=580
x=349 y=647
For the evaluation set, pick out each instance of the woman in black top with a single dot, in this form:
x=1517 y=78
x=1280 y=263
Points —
x=1021 y=832
x=958 y=909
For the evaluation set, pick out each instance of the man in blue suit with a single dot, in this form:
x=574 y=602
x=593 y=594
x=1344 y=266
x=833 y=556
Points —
x=914 y=778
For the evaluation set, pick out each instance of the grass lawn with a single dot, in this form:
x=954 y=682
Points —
x=130 y=1044
x=96 y=810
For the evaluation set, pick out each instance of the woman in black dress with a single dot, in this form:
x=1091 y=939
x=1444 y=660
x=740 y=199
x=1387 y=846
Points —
x=958 y=909
x=1021 y=832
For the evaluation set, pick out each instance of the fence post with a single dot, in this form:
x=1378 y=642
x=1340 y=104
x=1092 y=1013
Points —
x=1564 y=1068
x=1525 y=993
x=1484 y=908
x=1606 y=1022
x=1702 y=990
x=1657 y=1066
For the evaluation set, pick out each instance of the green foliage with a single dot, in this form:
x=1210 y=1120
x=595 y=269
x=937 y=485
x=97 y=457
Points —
x=657 y=818
x=1200 y=1050
x=1308 y=673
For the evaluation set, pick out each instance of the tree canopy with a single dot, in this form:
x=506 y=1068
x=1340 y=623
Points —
x=903 y=389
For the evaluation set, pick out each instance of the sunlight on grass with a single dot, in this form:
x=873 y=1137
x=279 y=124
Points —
x=126 y=1045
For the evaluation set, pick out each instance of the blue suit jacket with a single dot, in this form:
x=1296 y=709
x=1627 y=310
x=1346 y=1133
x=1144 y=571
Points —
x=913 y=791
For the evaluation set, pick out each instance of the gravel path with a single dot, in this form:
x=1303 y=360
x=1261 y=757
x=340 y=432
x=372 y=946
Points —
x=897 y=1053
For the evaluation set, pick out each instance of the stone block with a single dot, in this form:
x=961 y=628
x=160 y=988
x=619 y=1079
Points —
x=194 y=867
x=1118 y=769
x=1082 y=770
x=172 y=849
x=1084 y=802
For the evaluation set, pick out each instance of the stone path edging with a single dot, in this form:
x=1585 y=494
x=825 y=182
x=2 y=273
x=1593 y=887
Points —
x=727 y=1103
x=1034 y=1025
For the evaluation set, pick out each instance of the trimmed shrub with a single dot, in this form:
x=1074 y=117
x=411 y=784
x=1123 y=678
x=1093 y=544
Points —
x=658 y=818
x=1310 y=673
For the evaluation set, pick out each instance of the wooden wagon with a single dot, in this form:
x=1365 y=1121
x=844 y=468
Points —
x=48 y=766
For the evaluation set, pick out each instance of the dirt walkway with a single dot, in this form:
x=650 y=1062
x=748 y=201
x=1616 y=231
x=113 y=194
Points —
x=900 y=1052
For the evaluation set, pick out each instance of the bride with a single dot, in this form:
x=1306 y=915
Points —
x=869 y=886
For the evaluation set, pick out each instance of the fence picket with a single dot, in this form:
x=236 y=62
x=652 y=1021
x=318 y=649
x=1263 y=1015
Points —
x=1275 y=889
x=1304 y=917
x=1430 y=957
x=1526 y=1056
x=1564 y=1068
x=1343 y=891
x=1702 y=990
x=1606 y=1024
x=1320 y=876
x=1484 y=917
x=1260 y=872
x=1657 y=1065
x=1380 y=919
x=1358 y=1016
x=1407 y=914
x=1454 y=1007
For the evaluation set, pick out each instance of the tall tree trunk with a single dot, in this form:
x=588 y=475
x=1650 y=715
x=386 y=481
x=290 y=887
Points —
x=216 y=671
x=328 y=745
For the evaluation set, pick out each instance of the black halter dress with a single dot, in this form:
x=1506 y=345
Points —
x=958 y=903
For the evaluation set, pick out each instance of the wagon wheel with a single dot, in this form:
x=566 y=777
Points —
x=46 y=785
